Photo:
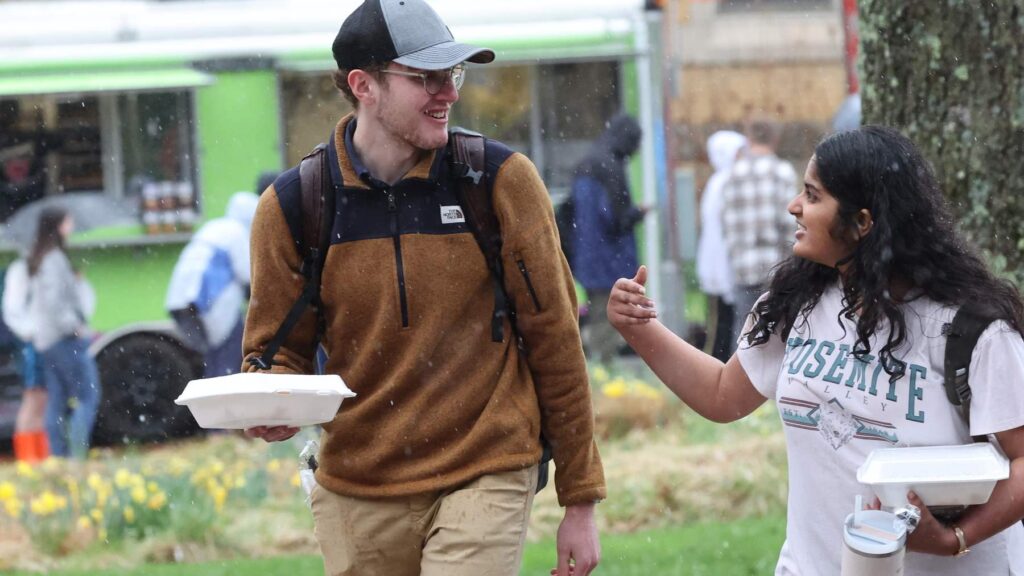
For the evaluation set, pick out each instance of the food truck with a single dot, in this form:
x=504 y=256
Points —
x=145 y=116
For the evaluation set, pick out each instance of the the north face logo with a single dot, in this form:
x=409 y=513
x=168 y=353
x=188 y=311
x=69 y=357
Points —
x=452 y=215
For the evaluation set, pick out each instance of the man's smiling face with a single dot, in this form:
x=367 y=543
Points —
x=412 y=115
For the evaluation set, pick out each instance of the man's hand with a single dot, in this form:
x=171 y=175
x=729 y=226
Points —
x=579 y=550
x=271 y=433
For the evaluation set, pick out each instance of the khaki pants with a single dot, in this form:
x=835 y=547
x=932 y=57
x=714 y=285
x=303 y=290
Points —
x=476 y=529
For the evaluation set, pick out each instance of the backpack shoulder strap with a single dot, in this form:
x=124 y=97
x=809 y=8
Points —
x=468 y=166
x=317 y=201
x=961 y=336
x=317 y=205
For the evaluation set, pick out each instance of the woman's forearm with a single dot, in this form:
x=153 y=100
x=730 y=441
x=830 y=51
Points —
x=1004 y=508
x=695 y=377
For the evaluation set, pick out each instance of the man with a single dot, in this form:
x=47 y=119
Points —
x=432 y=468
x=209 y=285
x=604 y=244
x=755 y=222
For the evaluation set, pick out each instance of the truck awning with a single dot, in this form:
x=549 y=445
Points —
x=103 y=81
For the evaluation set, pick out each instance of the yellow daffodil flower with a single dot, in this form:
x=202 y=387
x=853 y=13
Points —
x=13 y=508
x=138 y=494
x=7 y=491
x=24 y=470
x=157 y=501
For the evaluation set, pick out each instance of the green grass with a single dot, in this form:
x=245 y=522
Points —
x=748 y=546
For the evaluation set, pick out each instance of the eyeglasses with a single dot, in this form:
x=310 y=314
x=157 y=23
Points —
x=435 y=80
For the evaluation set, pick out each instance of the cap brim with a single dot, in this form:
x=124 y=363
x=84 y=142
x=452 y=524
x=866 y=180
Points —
x=446 y=55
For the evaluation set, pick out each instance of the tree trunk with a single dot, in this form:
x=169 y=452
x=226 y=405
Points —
x=950 y=75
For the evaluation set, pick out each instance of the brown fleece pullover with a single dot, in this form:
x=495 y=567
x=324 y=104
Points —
x=408 y=327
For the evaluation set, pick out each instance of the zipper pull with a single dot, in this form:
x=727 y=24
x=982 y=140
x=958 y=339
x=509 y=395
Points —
x=392 y=205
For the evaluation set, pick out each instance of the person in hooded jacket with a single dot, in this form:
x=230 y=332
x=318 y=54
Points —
x=713 y=268
x=210 y=284
x=603 y=243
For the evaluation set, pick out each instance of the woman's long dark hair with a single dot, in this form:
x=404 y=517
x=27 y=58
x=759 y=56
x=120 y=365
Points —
x=48 y=236
x=913 y=240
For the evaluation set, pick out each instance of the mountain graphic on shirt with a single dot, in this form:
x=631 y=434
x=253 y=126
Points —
x=837 y=425
x=834 y=423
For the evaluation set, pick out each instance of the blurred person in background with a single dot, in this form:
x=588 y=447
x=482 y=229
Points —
x=849 y=341
x=431 y=469
x=60 y=304
x=713 y=268
x=22 y=159
x=603 y=238
x=30 y=439
x=210 y=284
x=755 y=223
x=265 y=179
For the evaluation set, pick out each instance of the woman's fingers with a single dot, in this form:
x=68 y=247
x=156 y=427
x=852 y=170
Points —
x=631 y=303
x=636 y=300
x=627 y=285
x=632 y=320
x=641 y=275
x=628 y=303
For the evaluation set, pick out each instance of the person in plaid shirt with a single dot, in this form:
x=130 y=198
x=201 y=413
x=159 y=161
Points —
x=755 y=223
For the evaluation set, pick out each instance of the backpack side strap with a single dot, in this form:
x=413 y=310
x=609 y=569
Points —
x=317 y=218
x=961 y=336
x=468 y=164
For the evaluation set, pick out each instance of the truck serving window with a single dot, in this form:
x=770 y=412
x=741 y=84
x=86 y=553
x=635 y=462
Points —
x=133 y=150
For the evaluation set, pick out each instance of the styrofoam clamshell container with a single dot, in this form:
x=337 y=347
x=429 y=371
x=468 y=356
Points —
x=262 y=399
x=961 y=475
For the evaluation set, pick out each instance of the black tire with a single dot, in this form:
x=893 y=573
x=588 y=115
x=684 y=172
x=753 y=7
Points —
x=141 y=375
x=11 y=387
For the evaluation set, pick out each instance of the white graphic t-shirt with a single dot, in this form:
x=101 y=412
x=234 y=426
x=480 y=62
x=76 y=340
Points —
x=836 y=409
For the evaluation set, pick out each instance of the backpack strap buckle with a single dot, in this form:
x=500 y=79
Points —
x=260 y=363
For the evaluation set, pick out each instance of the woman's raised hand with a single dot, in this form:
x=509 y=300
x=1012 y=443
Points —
x=628 y=305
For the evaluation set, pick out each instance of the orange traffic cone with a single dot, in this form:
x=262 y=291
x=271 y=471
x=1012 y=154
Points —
x=31 y=446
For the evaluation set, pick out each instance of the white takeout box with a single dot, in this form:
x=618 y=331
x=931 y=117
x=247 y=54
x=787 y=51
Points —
x=262 y=399
x=940 y=475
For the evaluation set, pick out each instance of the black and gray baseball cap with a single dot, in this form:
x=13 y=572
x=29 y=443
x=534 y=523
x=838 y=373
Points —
x=408 y=32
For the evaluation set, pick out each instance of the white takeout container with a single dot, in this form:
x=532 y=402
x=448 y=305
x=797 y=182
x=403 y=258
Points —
x=262 y=399
x=940 y=475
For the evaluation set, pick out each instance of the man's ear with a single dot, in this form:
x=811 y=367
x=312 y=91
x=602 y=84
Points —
x=863 y=222
x=364 y=86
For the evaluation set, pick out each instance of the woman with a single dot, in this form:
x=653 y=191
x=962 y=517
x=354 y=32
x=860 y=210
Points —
x=59 y=309
x=849 y=332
